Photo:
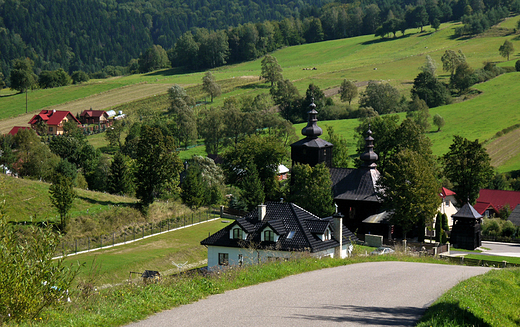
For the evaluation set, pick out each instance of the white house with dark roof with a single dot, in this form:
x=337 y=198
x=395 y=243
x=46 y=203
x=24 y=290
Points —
x=276 y=231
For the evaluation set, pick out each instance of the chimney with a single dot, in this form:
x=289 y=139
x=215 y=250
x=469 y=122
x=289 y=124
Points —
x=337 y=219
x=261 y=211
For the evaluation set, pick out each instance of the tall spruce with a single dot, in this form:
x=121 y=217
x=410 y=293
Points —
x=120 y=178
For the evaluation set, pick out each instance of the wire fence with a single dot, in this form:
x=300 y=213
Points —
x=135 y=232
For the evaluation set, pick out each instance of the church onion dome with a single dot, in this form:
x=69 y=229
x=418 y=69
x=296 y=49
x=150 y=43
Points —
x=369 y=157
x=312 y=130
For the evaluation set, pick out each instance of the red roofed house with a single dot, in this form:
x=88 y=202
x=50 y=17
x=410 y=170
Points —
x=491 y=201
x=15 y=129
x=94 y=117
x=54 y=120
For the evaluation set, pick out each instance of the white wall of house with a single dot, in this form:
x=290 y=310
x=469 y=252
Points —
x=448 y=207
x=246 y=256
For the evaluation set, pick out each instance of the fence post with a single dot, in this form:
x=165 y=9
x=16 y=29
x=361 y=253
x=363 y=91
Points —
x=88 y=246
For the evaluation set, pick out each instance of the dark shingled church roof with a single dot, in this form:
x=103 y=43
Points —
x=354 y=184
x=297 y=228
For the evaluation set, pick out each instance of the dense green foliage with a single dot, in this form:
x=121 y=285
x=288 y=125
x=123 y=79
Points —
x=30 y=279
x=467 y=166
x=409 y=189
x=311 y=189
x=105 y=37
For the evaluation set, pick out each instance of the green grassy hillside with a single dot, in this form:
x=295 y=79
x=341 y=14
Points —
x=28 y=199
x=480 y=118
x=362 y=58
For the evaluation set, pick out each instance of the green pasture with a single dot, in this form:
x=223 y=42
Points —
x=361 y=58
x=479 y=118
x=29 y=200
x=113 y=264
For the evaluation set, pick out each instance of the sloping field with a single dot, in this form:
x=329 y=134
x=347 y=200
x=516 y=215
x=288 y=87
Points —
x=99 y=101
x=505 y=151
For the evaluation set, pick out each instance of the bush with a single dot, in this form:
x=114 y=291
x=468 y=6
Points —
x=517 y=65
x=333 y=113
x=29 y=279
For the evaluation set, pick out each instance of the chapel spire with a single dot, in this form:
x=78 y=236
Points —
x=369 y=157
x=312 y=130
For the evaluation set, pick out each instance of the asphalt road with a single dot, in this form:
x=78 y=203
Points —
x=366 y=294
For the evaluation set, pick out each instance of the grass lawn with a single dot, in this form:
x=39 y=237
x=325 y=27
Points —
x=491 y=299
x=498 y=259
x=112 y=265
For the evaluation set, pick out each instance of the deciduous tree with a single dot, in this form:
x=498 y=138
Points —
x=348 y=91
x=506 y=49
x=467 y=166
x=158 y=166
x=311 y=189
x=409 y=189
x=383 y=98
x=271 y=70
x=438 y=121
x=451 y=60
x=340 y=157
x=210 y=85
x=428 y=88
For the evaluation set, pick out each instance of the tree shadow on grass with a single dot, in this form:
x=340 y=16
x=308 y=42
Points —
x=106 y=203
x=375 y=41
x=172 y=71
x=460 y=38
x=454 y=314
x=254 y=86
x=398 y=316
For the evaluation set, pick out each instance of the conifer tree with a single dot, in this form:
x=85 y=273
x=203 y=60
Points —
x=120 y=177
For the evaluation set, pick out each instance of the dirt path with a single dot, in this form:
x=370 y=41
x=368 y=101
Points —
x=100 y=101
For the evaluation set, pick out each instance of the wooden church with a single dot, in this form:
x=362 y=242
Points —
x=354 y=190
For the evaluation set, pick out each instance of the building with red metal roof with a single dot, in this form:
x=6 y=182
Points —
x=54 y=119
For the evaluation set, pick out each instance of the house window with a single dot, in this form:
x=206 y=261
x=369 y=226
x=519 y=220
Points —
x=223 y=259
x=237 y=234
x=50 y=129
x=327 y=235
x=447 y=203
x=268 y=236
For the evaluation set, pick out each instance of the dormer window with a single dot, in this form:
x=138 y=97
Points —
x=327 y=235
x=237 y=233
x=268 y=236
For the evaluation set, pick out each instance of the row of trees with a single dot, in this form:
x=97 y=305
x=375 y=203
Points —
x=124 y=37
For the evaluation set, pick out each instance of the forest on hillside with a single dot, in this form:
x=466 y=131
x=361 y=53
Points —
x=89 y=36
